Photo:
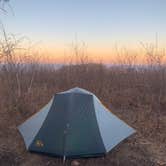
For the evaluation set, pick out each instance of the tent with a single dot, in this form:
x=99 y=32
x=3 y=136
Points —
x=74 y=124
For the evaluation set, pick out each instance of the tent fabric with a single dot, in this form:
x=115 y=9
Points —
x=31 y=126
x=74 y=124
x=112 y=129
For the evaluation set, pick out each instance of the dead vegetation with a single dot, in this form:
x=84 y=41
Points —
x=135 y=94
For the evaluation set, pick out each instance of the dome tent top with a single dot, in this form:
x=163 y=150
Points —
x=76 y=90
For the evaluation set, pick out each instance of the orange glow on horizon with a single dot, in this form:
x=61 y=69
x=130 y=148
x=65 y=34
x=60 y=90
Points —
x=96 y=54
x=93 y=56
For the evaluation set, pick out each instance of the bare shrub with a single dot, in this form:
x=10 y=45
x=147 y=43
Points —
x=156 y=78
x=15 y=62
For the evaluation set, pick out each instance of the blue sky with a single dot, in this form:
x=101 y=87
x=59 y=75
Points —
x=97 y=22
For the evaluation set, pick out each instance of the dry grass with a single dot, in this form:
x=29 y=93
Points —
x=136 y=96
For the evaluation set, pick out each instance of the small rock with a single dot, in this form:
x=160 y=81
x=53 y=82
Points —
x=75 y=163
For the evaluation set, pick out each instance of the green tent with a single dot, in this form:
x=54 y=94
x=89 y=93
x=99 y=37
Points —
x=74 y=124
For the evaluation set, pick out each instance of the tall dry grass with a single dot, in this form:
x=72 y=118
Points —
x=137 y=94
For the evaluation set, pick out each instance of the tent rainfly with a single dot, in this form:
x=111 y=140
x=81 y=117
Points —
x=74 y=124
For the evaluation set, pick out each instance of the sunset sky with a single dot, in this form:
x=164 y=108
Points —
x=53 y=25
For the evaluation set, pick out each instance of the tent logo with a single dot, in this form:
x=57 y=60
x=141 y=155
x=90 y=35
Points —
x=39 y=143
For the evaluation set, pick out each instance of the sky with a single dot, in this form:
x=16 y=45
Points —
x=54 y=24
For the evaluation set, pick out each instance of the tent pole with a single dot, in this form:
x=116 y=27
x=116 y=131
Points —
x=64 y=159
